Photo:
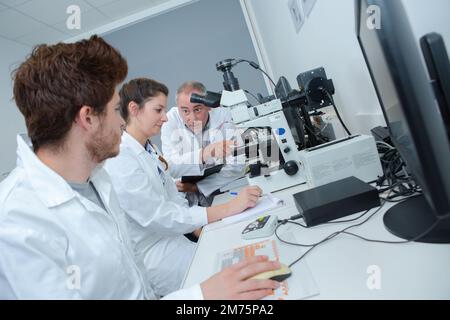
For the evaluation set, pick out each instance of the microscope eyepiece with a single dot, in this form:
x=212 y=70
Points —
x=211 y=99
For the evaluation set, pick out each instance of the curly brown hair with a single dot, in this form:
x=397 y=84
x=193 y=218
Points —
x=55 y=81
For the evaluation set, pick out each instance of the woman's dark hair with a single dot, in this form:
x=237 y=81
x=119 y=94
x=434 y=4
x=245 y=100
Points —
x=55 y=81
x=139 y=90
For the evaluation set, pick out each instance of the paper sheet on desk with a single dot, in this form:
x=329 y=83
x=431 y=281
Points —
x=264 y=204
x=300 y=285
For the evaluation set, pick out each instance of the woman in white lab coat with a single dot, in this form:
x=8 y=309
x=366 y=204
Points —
x=157 y=213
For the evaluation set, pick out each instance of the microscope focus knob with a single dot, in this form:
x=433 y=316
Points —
x=290 y=168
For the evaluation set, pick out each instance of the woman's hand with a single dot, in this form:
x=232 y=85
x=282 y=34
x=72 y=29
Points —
x=247 y=198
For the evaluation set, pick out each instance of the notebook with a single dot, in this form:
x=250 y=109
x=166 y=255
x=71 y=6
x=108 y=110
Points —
x=267 y=202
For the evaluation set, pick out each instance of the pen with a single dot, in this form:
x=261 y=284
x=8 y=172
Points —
x=232 y=193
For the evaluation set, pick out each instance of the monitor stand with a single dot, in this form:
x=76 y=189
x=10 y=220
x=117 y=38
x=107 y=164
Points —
x=410 y=218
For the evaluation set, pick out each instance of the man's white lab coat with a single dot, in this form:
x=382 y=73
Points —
x=181 y=148
x=56 y=244
x=157 y=213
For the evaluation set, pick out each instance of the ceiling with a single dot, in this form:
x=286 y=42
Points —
x=30 y=22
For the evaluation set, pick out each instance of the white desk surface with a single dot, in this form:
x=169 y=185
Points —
x=340 y=266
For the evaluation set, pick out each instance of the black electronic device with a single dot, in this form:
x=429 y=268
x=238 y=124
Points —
x=414 y=119
x=381 y=134
x=283 y=89
x=317 y=88
x=208 y=171
x=210 y=99
x=295 y=109
x=230 y=82
x=436 y=58
x=335 y=200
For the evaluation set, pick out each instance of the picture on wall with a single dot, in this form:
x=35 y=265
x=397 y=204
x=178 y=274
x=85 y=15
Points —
x=297 y=15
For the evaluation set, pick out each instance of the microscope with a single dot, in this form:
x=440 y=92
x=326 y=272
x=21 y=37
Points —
x=281 y=145
x=270 y=148
x=269 y=144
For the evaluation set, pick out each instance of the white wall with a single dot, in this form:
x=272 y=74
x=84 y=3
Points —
x=328 y=39
x=428 y=16
x=11 y=120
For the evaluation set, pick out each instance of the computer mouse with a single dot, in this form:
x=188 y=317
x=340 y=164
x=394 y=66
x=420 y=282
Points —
x=279 y=274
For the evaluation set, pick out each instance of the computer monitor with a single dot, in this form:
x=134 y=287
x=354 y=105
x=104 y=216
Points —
x=416 y=126
x=436 y=59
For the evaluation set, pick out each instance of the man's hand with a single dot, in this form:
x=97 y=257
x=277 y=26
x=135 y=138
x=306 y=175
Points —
x=247 y=198
x=218 y=150
x=186 y=187
x=233 y=282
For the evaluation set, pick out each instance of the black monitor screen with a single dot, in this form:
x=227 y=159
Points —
x=417 y=129
x=387 y=94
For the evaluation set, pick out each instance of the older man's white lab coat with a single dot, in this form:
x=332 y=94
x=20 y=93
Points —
x=181 y=147
x=158 y=214
x=56 y=244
